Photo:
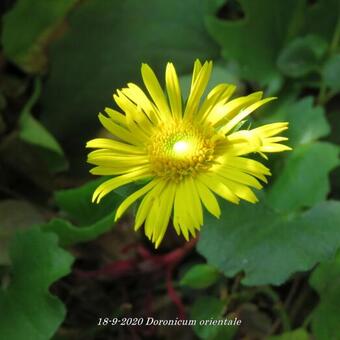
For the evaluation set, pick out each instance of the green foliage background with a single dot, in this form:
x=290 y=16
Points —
x=274 y=264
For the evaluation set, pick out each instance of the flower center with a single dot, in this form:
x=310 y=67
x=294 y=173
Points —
x=182 y=148
x=179 y=149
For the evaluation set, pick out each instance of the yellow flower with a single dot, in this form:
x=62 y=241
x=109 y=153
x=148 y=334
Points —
x=188 y=153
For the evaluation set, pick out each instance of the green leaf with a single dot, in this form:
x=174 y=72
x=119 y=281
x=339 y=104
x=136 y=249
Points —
x=33 y=132
x=301 y=56
x=307 y=122
x=200 y=276
x=69 y=234
x=327 y=275
x=331 y=71
x=85 y=74
x=303 y=181
x=225 y=333
x=256 y=41
x=206 y=308
x=326 y=13
x=15 y=215
x=77 y=202
x=24 y=44
x=29 y=311
x=248 y=233
x=325 y=318
x=298 y=334
x=93 y=219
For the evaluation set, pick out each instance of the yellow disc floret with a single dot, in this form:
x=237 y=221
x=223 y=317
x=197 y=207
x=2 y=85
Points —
x=179 y=149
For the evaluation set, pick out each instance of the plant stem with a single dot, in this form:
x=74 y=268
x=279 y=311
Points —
x=291 y=292
x=299 y=301
x=236 y=284
x=322 y=94
x=307 y=320
x=283 y=316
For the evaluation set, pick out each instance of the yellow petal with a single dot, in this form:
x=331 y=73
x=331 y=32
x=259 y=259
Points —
x=247 y=164
x=173 y=90
x=145 y=205
x=219 y=95
x=276 y=139
x=110 y=144
x=272 y=129
x=133 y=197
x=116 y=116
x=240 y=190
x=167 y=202
x=238 y=176
x=118 y=131
x=137 y=95
x=218 y=187
x=152 y=218
x=107 y=171
x=134 y=115
x=243 y=114
x=112 y=159
x=197 y=89
x=196 y=71
x=155 y=90
x=182 y=220
x=194 y=207
x=208 y=198
x=116 y=182
x=275 y=148
x=227 y=111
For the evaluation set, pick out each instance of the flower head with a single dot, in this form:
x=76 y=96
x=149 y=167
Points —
x=188 y=152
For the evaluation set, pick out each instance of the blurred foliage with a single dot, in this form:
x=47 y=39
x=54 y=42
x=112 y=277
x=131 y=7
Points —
x=325 y=318
x=24 y=44
x=37 y=262
x=200 y=276
x=272 y=265
x=33 y=132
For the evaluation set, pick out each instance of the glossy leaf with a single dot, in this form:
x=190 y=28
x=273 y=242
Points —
x=77 y=203
x=69 y=234
x=91 y=219
x=28 y=310
x=325 y=318
x=307 y=122
x=304 y=181
x=200 y=276
x=249 y=233
x=256 y=41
